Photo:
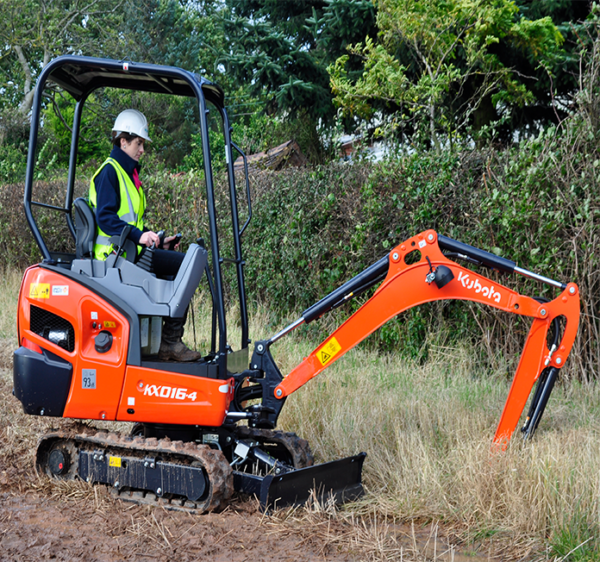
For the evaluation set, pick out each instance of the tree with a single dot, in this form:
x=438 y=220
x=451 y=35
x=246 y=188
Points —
x=441 y=61
x=281 y=49
x=35 y=31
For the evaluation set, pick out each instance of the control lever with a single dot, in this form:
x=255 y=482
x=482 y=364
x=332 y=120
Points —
x=175 y=241
x=147 y=258
x=121 y=243
x=161 y=239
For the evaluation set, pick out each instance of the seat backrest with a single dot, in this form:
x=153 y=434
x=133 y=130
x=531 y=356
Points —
x=85 y=228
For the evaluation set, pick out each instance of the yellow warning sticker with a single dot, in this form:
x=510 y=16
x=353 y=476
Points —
x=114 y=461
x=39 y=291
x=328 y=351
x=109 y=324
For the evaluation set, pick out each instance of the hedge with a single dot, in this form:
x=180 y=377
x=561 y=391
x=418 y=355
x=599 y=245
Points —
x=537 y=203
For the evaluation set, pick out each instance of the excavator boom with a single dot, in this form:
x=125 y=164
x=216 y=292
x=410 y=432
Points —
x=412 y=280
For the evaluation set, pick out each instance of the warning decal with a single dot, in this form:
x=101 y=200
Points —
x=114 y=461
x=328 y=351
x=39 y=291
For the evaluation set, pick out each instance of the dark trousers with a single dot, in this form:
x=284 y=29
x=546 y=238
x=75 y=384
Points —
x=165 y=263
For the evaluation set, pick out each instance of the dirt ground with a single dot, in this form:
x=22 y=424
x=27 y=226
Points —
x=37 y=526
x=68 y=522
x=45 y=519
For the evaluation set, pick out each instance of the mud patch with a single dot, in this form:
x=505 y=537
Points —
x=34 y=527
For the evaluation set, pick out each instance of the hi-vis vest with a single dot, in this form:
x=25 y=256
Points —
x=133 y=205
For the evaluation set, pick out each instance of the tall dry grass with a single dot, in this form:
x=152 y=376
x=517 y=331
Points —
x=428 y=428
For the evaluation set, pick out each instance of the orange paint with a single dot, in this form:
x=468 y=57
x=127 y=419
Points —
x=405 y=287
x=166 y=397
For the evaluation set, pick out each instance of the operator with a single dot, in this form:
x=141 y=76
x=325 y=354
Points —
x=118 y=199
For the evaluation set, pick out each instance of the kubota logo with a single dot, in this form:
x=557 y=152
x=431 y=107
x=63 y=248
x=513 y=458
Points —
x=169 y=392
x=476 y=286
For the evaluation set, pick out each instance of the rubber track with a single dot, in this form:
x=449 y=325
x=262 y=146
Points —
x=219 y=472
x=296 y=446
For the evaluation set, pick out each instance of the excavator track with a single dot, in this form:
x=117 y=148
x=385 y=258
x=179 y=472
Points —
x=298 y=448
x=172 y=474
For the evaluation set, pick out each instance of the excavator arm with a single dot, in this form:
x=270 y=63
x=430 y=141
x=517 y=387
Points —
x=418 y=272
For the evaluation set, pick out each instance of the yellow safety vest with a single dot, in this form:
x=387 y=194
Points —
x=133 y=205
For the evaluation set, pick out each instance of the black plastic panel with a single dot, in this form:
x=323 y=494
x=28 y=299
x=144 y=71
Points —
x=41 y=382
x=196 y=368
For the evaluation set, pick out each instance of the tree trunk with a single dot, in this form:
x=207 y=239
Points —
x=28 y=87
x=26 y=103
x=434 y=138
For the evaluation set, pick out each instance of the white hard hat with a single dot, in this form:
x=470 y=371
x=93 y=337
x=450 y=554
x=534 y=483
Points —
x=133 y=122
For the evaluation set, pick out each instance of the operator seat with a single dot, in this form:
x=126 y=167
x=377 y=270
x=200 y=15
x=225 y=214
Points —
x=148 y=295
x=86 y=232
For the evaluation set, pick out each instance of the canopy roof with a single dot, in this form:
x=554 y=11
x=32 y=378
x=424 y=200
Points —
x=82 y=75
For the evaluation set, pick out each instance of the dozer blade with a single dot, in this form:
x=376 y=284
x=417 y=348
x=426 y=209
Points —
x=339 y=480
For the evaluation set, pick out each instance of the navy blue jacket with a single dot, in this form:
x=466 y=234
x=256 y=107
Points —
x=108 y=195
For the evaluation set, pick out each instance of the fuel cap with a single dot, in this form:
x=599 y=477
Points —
x=103 y=341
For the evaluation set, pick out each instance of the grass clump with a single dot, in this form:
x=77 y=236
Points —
x=577 y=539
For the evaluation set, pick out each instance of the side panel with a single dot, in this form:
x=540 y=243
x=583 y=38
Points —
x=156 y=396
x=41 y=382
x=98 y=377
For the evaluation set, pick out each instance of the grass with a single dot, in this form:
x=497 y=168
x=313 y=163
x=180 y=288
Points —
x=427 y=430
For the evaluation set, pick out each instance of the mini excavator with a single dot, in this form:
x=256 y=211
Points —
x=89 y=332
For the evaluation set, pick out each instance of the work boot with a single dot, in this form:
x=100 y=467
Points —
x=177 y=351
x=171 y=346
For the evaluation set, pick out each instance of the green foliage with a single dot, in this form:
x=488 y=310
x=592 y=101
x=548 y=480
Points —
x=94 y=143
x=536 y=204
x=437 y=61
x=12 y=163
x=578 y=539
x=313 y=229
x=165 y=32
x=281 y=50
x=260 y=132
x=195 y=159
x=34 y=31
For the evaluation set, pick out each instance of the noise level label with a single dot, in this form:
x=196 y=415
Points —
x=328 y=351
x=60 y=290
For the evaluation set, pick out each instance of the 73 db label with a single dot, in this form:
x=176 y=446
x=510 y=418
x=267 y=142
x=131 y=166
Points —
x=88 y=379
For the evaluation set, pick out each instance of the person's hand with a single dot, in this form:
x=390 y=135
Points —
x=168 y=240
x=149 y=238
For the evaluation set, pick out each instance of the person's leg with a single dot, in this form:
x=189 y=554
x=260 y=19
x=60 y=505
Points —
x=166 y=264
x=171 y=346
